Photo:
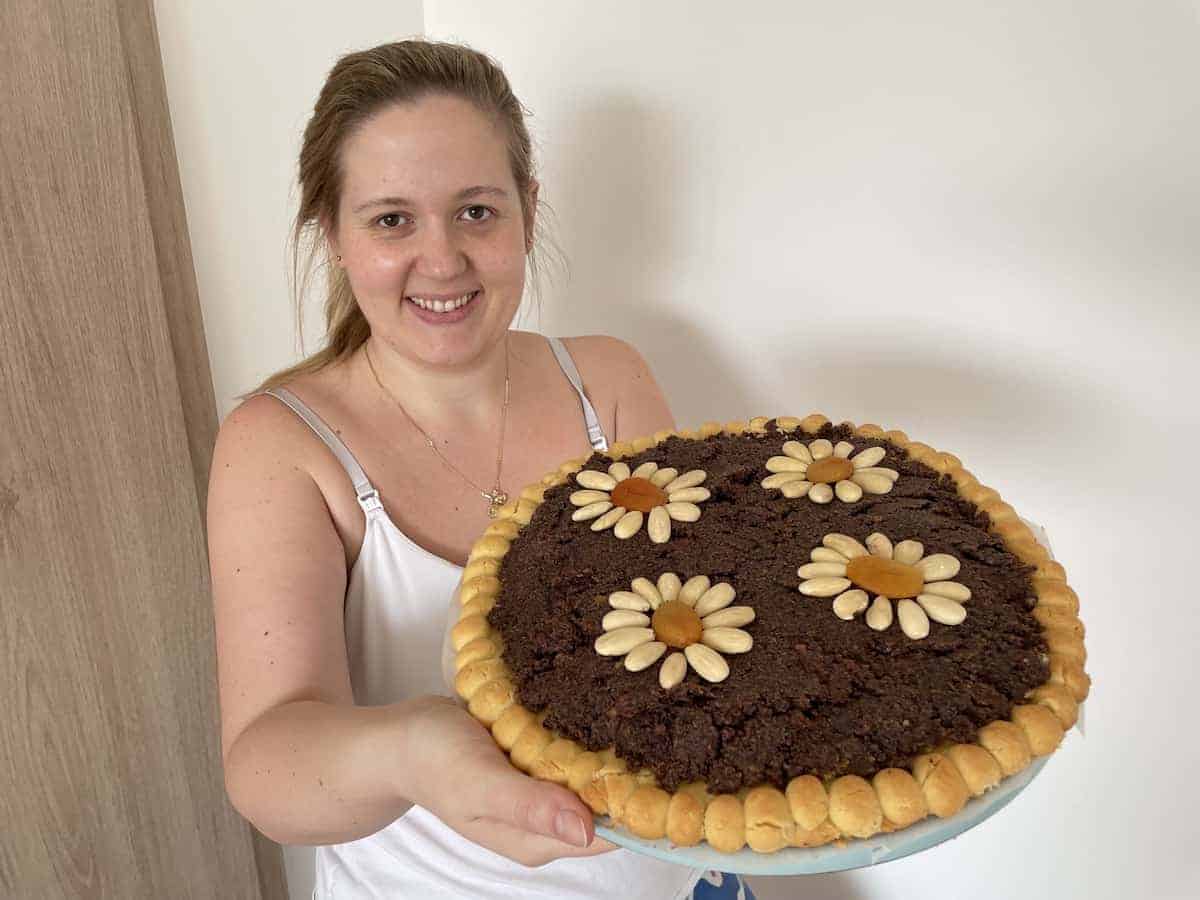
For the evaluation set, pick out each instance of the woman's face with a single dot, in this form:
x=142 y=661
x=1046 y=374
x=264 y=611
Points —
x=430 y=230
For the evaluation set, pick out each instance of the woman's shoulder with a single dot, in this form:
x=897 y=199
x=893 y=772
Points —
x=617 y=370
x=604 y=356
x=264 y=430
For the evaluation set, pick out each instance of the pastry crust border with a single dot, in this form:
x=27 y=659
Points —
x=811 y=811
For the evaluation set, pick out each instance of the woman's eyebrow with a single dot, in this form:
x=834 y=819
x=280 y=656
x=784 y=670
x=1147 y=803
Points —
x=479 y=190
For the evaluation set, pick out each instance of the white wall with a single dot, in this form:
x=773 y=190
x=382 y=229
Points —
x=978 y=223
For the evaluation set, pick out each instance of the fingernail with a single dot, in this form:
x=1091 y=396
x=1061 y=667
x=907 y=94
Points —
x=568 y=827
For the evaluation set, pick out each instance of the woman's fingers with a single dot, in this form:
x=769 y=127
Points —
x=483 y=797
x=534 y=806
x=528 y=849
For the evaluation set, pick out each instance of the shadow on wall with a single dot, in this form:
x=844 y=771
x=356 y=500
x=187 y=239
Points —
x=619 y=196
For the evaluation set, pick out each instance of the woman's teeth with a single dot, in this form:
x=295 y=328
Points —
x=443 y=306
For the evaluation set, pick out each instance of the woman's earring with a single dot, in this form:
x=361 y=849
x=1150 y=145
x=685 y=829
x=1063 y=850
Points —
x=339 y=259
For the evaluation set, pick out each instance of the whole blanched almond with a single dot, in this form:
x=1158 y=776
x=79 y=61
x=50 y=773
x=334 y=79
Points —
x=793 y=490
x=889 y=474
x=689 y=495
x=609 y=519
x=707 y=662
x=599 y=481
x=845 y=545
x=658 y=526
x=644 y=587
x=822 y=570
x=693 y=589
x=686 y=480
x=584 y=498
x=820 y=448
x=783 y=464
x=729 y=617
x=849 y=604
x=591 y=511
x=942 y=609
x=716 y=597
x=913 y=621
x=908 y=552
x=727 y=640
x=629 y=524
x=824 y=587
x=683 y=512
x=880 y=545
x=879 y=616
x=624 y=618
x=628 y=600
x=645 y=470
x=939 y=567
x=820 y=493
x=949 y=589
x=672 y=671
x=848 y=491
x=868 y=457
x=644 y=656
x=797 y=450
x=826 y=554
x=872 y=483
x=619 y=471
x=621 y=641
x=779 y=479
x=663 y=477
x=668 y=586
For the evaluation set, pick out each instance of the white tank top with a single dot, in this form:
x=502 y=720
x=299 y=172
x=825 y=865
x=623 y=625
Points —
x=397 y=601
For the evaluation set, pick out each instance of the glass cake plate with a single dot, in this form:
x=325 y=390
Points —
x=851 y=854
x=855 y=854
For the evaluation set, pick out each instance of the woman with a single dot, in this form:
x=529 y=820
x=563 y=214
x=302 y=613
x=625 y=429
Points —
x=346 y=494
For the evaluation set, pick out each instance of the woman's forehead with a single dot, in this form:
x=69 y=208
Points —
x=426 y=151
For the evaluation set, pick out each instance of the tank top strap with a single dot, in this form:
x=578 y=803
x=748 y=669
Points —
x=594 y=431
x=368 y=497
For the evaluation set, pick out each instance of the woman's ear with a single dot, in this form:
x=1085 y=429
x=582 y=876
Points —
x=533 y=197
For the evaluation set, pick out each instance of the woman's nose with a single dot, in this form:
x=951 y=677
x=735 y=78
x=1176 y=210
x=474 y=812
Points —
x=439 y=255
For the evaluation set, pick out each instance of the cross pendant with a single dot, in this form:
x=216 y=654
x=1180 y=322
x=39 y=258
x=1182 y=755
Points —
x=495 y=498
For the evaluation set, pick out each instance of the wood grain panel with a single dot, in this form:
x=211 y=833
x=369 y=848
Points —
x=108 y=751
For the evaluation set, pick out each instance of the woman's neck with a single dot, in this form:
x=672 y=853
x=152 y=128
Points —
x=440 y=399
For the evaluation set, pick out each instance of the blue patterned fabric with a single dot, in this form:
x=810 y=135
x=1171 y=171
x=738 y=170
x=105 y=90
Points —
x=715 y=885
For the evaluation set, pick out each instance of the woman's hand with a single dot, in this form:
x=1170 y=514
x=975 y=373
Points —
x=457 y=772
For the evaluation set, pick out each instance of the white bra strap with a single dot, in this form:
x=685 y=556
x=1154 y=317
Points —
x=368 y=497
x=595 y=432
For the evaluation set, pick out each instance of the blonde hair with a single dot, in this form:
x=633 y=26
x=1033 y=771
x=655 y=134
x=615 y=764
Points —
x=359 y=86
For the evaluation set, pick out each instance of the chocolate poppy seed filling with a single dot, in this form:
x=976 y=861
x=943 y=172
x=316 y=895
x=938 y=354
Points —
x=815 y=694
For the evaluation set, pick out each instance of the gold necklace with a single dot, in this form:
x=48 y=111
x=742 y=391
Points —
x=496 y=497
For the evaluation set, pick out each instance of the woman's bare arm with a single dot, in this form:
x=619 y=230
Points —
x=302 y=762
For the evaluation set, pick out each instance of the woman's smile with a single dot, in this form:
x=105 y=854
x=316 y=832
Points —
x=443 y=312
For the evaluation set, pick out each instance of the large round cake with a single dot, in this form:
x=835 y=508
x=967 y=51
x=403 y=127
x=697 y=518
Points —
x=777 y=634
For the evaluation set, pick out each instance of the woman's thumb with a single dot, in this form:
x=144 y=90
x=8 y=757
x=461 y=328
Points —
x=540 y=807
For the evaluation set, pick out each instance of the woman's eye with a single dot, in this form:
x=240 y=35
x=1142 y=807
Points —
x=391 y=220
x=478 y=213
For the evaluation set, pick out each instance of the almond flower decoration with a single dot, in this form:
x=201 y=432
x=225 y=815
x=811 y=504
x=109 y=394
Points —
x=808 y=471
x=693 y=617
x=845 y=569
x=623 y=500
